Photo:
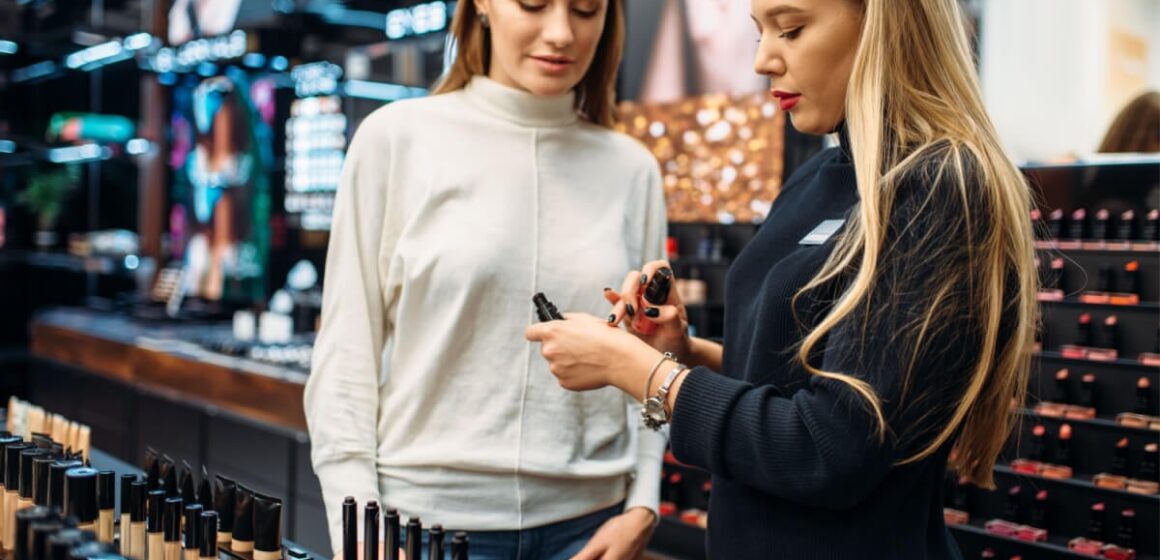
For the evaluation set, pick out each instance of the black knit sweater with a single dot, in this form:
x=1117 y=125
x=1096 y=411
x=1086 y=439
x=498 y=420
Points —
x=797 y=470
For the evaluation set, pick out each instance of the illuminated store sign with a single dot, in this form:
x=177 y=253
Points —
x=417 y=20
x=197 y=51
x=316 y=78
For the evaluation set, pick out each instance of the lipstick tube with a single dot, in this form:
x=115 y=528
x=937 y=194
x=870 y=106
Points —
x=209 y=529
x=106 y=505
x=1087 y=394
x=1127 y=227
x=1126 y=536
x=371 y=531
x=1063 y=452
x=154 y=525
x=1097 y=522
x=1078 y=228
x=191 y=544
x=349 y=529
x=1039 y=510
x=1148 y=463
x=1120 y=458
x=172 y=525
x=414 y=543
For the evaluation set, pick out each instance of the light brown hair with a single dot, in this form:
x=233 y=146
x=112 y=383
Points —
x=1136 y=127
x=596 y=92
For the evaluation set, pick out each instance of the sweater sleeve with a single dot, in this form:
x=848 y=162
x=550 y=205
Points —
x=342 y=393
x=817 y=446
x=645 y=488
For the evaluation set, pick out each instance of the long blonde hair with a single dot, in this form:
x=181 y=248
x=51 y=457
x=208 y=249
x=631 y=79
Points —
x=913 y=91
x=596 y=92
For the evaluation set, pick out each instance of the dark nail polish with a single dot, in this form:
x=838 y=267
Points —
x=629 y=309
x=612 y=318
x=652 y=312
x=608 y=289
x=643 y=279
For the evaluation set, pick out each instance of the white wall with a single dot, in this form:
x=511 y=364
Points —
x=1055 y=72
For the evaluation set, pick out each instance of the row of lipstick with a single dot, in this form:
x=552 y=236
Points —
x=1083 y=406
x=1031 y=524
x=1109 y=290
x=393 y=541
x=672 y=504
x=1103 y=226
x=1107 y=347
x=1058 y=465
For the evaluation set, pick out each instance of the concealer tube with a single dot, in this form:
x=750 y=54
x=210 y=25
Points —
x=205 y=491
x=371 y=531
x=268 y=528
x=152 y=468
x=39 y=532
x=26 y=484
x=224 y=494
x=12 y=490
x=154 y=537
x=209 y=530
x=127 y=481
x=172 y=522
x=56 y=472
x=80 y=489
x=242 y=539
x=40 y=478
x=106 y=505
x=24 y=519
x=4 y=443
x=391 y=541
x=139 y=492
x=192 y=542
x=349 y=529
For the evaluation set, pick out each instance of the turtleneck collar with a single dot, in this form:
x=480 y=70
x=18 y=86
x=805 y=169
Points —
x=521 y=107
x=844 y=141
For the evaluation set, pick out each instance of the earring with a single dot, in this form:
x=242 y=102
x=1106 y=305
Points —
x=483 y=20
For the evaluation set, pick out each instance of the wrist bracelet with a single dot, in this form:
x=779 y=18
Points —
x=648 y=382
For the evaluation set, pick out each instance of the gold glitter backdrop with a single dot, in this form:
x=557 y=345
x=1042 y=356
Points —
x=720 y=155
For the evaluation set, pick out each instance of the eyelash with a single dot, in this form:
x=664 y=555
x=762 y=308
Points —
x=791 y=34
x=580 y=13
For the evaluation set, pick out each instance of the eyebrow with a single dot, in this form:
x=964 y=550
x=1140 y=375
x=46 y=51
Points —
x=782 y=9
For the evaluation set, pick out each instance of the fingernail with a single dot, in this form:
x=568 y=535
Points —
x=643 y=279
x=608 y=289
x=652 y=312
x=612 y=318
x=629 y=309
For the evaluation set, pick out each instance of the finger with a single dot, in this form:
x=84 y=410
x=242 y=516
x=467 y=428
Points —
x=591 y=551
x=660 y=314
x=630 y=287
x=612 y=296
x=536 y=332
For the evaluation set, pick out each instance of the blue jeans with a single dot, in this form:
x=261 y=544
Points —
x=558 y=541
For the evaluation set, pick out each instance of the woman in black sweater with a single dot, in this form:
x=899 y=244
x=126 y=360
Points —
x=879 y=324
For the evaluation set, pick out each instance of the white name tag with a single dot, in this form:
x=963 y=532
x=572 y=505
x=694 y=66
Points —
x=821 y=233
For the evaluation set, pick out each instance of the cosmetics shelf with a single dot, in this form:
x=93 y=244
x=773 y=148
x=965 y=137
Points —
x=971 y=537
x=1144 y=306
x=1105 y=424
x=1119 y=364
x=1136 y=249
x=1144 y=500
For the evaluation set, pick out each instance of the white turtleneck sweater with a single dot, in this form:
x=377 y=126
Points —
x=452 y=212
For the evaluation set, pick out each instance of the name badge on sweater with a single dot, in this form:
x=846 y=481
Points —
x=820 y=234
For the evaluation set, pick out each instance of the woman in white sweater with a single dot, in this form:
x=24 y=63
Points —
x=453 y=210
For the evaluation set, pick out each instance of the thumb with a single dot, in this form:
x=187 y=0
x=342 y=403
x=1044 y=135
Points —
x=591 y=551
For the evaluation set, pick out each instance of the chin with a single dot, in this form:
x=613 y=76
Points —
x=807 y=125
x=548 y=86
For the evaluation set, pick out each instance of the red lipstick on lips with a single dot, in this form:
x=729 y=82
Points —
x=785 y=99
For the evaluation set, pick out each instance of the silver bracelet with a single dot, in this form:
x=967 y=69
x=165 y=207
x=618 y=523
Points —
x=653 y=411
x=648 y=382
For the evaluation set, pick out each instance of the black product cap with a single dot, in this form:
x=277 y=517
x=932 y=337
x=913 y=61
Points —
x=106 y=490
x=26 y=457
x=435 y=540
x=414 y=542
x=56 y=472
x=4 y=443
x=40 y=478
x=209 y=531
x=172 y=519
x=156 y=501
x=12 y=465
x=138 y=491
x=80 y=491
x=24 y=520
x=91 y=551
x=56 y=547
x=127 y=481
x=459 y=546
x=192 y=526
x=39 y=532
x=205 y=490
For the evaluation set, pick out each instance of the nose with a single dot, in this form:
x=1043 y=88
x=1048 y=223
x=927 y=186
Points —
x=769 y=61
x=558 y=26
